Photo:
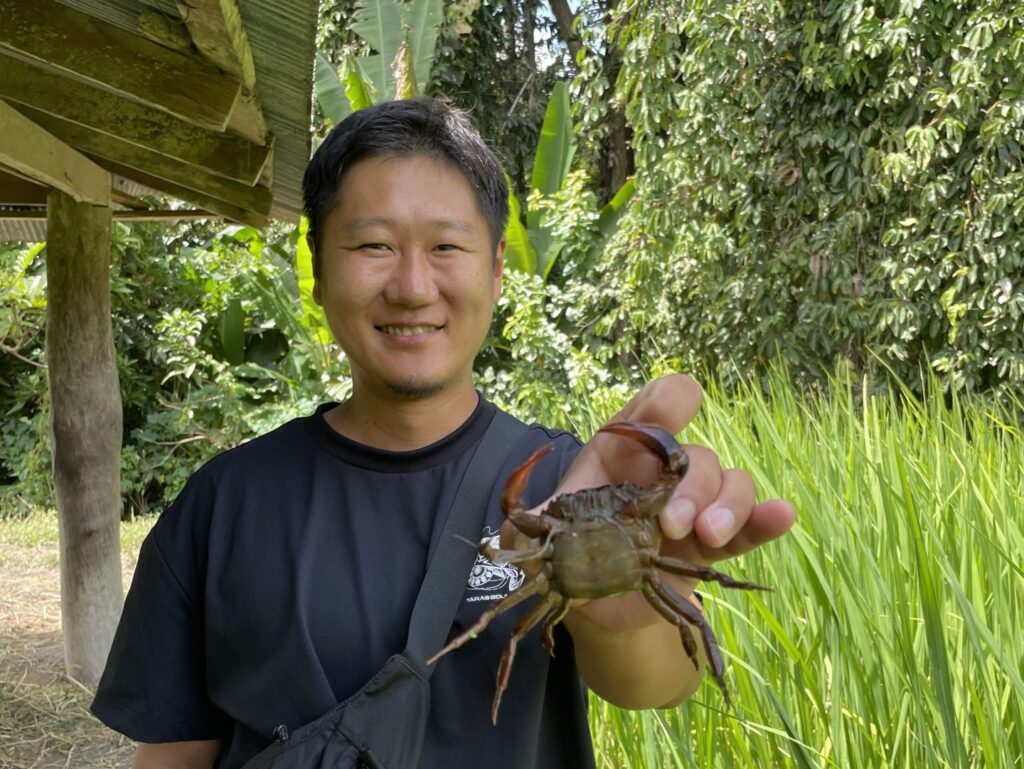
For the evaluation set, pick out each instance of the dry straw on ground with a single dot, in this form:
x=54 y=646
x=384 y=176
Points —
x=44 y=716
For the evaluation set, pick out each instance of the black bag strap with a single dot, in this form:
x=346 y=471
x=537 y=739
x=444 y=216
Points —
x=445 y=581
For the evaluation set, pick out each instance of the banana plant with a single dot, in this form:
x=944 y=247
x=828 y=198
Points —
x=531 y=245
x=403 y=35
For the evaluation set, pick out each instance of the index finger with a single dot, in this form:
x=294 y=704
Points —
x=671 y=402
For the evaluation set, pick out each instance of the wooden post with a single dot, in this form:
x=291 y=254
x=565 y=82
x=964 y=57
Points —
x=86 y=420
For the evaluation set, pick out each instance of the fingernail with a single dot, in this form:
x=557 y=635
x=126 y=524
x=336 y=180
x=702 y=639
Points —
x=721 y=521
x=681 y=513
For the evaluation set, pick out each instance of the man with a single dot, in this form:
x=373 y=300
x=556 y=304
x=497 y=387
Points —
x=284 y=575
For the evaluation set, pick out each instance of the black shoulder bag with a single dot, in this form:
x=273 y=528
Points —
x=382 y=726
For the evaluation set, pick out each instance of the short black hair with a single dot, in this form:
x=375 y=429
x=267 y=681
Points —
x=420 y=126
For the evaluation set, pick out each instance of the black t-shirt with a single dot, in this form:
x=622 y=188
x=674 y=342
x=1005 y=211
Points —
x=283 y=577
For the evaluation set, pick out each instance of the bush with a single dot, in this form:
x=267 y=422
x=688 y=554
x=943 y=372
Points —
x=210 y=346
x=820 y=181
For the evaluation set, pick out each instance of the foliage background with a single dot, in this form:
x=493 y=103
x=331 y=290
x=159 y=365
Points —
x=834 y=186
x=830 y=189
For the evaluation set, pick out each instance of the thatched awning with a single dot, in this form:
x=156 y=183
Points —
x=205 y=101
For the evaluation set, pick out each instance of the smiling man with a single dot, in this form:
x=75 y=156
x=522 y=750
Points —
x=408 y=271
x=282 y=580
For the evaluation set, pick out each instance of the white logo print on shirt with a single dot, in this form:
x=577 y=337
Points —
x=497 y=579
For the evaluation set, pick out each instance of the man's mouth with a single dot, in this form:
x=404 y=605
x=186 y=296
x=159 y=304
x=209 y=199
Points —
x=409 y=330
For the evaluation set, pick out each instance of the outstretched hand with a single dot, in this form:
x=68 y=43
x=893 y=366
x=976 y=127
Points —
x=711 y=516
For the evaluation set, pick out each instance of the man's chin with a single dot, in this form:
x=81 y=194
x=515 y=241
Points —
x=414 y=390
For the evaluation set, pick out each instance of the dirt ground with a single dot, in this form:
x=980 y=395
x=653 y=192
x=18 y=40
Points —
x=44 y=717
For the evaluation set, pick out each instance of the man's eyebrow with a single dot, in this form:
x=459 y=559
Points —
x=369 y=222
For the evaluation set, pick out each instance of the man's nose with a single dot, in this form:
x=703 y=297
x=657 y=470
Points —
x=413 y=281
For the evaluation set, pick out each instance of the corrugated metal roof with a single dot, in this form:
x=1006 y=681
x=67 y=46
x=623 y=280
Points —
x=15 y=226
x=21 y=230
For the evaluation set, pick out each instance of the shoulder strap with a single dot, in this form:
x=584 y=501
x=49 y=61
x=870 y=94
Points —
x=445 y=581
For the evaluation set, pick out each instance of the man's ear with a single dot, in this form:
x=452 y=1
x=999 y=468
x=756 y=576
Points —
x=311 y=243
x=499 y=266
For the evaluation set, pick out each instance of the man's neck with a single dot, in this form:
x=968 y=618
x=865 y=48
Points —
x=402 y=424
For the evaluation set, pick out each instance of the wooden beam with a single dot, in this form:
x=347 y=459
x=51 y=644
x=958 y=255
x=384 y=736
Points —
x=217 y=31
x=162 y=215
x=255 y=199
x=127 y=64
x=30 y=150
x=16 y=190
x=222 y=154
x=207 y=202
x=160 y=29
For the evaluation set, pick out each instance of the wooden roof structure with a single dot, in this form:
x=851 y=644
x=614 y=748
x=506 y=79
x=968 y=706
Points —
x=204 y=101
x=102 y=101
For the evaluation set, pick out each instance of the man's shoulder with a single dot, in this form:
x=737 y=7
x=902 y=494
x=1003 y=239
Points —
x=549 y=471
x=537 y=433
x=277 y=454
x=286 y=444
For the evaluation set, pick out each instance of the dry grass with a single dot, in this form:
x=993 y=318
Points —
x=44 y=716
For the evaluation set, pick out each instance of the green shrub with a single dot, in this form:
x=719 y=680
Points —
x=210 y=351
x=819 y=181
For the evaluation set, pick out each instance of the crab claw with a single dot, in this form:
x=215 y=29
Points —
x=657 y=440
x=512 y=498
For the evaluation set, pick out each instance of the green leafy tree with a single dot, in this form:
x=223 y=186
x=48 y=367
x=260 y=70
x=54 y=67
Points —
x=820 y=181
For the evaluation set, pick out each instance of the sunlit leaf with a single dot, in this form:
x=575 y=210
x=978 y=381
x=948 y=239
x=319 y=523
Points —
x=519 y=254
x=330 y=91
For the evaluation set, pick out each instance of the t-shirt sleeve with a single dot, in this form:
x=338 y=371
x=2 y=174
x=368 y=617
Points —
x=153 y=688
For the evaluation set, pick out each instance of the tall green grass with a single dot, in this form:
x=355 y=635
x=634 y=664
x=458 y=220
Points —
x=895 y=633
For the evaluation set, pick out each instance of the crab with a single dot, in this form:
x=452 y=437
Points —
x=596 y=543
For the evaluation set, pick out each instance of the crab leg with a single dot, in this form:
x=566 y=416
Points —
x=523 y=626
x=518 y=556
x=556 y=616
x=666 y=611
x=512 y=599
x=685 y=569
x=680 y=611
x=658 y=441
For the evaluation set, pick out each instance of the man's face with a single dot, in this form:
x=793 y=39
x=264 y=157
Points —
x=408 y=276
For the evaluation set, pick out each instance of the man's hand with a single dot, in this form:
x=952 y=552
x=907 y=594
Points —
x=177 y=755
x=627 y=652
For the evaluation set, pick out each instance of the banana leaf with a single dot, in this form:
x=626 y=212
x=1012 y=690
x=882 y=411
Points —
x=330 y=91
x=555 y=149
x=612 y=211
x=379 y=23
x=231 y=328
x=355 y=84
x=312 y=313
x=422 y=20
x=519 y=254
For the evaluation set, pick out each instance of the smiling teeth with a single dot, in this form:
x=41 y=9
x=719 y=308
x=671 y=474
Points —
x=407 y=330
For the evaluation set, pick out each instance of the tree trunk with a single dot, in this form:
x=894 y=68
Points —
x=617 y=157
x=564 y=19
x=615 y=164
x=529 y=52
x=85 y=403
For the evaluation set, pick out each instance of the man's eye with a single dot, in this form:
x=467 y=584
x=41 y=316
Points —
x=447 y=247
x=373 y=247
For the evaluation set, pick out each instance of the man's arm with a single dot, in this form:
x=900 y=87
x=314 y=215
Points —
x=200 y=754
x=627 y=652
x=636 y=669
